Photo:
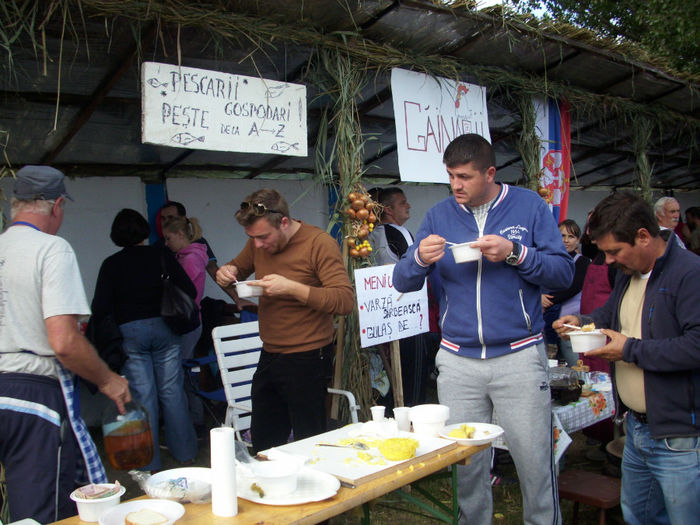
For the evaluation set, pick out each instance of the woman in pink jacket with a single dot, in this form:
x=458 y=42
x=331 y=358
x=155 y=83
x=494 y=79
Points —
x=181 y=235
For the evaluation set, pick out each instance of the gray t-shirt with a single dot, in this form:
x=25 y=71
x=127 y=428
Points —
x=39 y=278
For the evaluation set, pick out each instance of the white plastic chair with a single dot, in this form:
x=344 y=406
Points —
x=238 y=349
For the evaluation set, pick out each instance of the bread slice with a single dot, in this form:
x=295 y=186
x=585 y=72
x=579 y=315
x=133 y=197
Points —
x=145 y=517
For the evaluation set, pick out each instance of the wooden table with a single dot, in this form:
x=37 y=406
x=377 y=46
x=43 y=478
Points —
x=344 y=500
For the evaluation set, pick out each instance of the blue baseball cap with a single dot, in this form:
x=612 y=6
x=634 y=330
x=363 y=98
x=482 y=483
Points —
x=40 y=183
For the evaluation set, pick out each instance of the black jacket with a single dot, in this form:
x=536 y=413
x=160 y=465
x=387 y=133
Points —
x=669 y=351
x=129 y=284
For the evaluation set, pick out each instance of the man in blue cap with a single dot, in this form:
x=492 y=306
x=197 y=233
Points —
x=44 y=444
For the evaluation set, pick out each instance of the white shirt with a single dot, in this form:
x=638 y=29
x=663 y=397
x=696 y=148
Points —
x=39 y=278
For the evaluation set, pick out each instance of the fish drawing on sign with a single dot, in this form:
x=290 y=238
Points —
x=276 y=91
x=283 y=146
x=154 y=82
x=186 y=138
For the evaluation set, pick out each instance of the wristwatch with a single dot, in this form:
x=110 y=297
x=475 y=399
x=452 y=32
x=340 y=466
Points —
x=513 y=256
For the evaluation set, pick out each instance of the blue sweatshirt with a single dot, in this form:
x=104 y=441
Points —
x=492 y=309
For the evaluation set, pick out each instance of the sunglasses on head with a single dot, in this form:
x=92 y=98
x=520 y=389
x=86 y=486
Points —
x=258 y=209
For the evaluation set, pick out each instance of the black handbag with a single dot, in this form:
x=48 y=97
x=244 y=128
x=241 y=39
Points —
x=179 y=311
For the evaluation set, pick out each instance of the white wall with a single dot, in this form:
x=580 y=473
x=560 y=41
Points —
x=98 y=199
x=581 y=202
x=88 y=219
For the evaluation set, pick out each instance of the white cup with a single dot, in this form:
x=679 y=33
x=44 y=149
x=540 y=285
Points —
x=464 y=253
x=377 y=413
x=403 y=420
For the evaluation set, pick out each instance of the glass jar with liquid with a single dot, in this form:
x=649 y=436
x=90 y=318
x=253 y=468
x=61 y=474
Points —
x=127 y=437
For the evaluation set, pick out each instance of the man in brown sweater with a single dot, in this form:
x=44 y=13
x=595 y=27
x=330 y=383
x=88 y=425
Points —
x=305 y=284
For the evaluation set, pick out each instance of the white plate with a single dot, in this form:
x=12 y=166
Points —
x=195 y=487
x=116 y=515
x=312 y=485
x=483 y=433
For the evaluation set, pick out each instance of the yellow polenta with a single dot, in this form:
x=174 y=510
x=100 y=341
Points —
x=398 y=449
x=462 y=432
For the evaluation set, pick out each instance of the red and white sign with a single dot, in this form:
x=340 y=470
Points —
x=429 y=113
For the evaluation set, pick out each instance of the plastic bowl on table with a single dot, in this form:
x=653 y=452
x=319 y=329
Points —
x=243 y=289
x=464 y=253
x=429 y=419
x=585 y=341
x=276 y=477
x=90 y=509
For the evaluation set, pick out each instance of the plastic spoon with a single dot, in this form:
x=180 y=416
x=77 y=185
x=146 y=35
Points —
x=574 y=327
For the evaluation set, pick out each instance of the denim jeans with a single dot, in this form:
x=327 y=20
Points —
x=189 y=344
x=660 y=477
x=155 y=375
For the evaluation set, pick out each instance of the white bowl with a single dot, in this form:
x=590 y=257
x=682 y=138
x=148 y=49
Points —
x=430 y=419
x=276 y=477
x=91 y=509
x=243 y=289
x=464 y=253
x=584 y=341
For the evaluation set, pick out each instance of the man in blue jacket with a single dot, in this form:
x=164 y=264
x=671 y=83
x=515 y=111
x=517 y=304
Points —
x=652 y=319
x=492 y=354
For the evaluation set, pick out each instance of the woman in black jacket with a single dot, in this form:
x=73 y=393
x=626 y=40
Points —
x=129 y=287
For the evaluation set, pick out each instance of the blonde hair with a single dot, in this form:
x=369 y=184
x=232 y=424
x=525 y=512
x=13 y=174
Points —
x=189 y=226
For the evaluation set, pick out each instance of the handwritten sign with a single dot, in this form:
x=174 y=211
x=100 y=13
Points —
x=385 y=314
x=200 y=109
x=429 y=113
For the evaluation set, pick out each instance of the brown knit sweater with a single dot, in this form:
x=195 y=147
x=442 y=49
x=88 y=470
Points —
x=311 y=257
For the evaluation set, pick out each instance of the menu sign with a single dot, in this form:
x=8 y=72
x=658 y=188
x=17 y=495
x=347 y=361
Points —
x=385 y=314
x=201 y=109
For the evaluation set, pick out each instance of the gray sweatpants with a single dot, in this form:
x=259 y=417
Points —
x=517 y=388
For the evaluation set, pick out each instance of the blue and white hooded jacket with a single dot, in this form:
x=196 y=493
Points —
x=491 y=309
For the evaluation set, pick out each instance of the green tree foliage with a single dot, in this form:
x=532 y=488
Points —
x=665 y=28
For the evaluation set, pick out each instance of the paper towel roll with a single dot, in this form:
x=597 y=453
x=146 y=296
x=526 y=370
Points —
x=224 y=500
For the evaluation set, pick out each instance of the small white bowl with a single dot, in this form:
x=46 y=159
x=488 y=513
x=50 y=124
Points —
x=243 y=289
x=430 y=419
x=464 y=253
x=584 y=341
x=91 y=509
x=276 y=477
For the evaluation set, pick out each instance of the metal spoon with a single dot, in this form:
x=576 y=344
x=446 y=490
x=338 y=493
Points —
x=355 y=444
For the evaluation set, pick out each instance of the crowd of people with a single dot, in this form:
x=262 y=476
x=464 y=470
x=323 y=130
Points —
x=630 y=270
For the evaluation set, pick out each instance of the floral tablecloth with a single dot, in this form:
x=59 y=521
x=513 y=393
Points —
x=575 y=416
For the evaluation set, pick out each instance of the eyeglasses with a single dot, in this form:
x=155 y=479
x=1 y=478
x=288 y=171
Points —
x=258 y=209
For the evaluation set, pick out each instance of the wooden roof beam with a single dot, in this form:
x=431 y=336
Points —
x=597 y=168
x=556 y=63
x=605 y=179
x=99 y=94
